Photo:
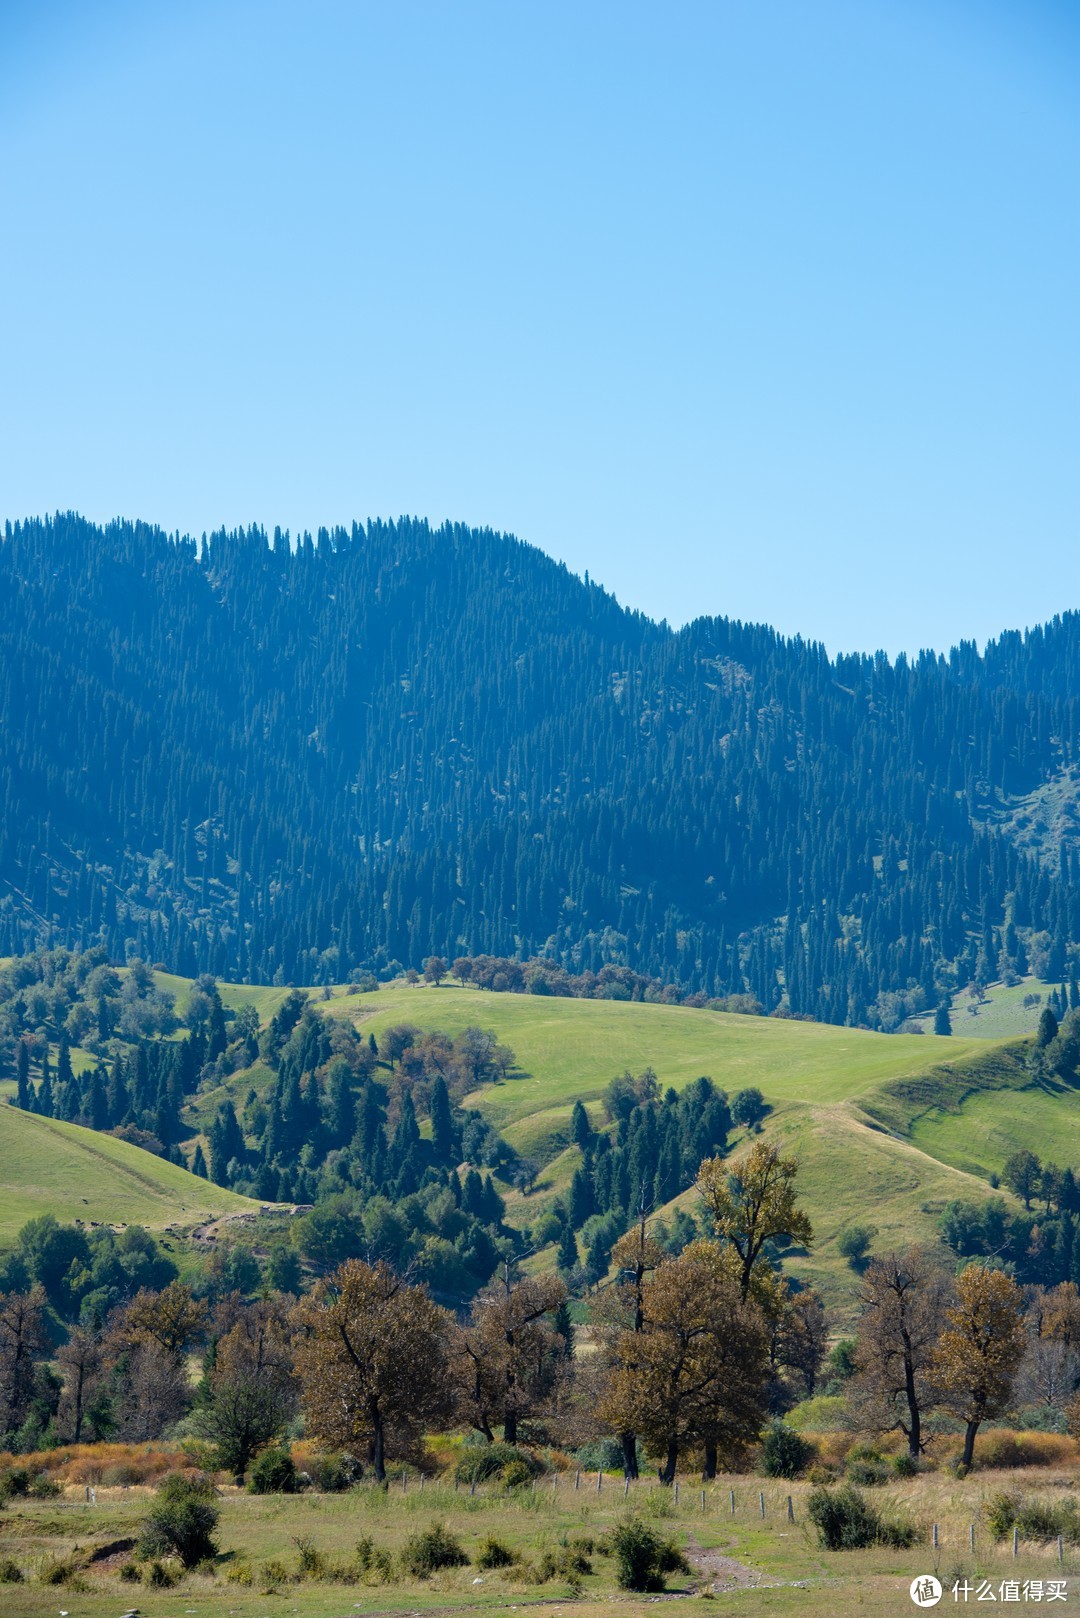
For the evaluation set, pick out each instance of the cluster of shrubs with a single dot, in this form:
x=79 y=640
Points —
x=505 y=1462
x=1033 y=1519
x=18 y=1482
x=846 y=1521
x=275 y=1472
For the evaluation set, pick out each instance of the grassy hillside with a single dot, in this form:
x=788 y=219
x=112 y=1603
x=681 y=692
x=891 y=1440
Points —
x=877 y=1120
x=1001 y=1015
x=888 y=1128
x=49 y=1167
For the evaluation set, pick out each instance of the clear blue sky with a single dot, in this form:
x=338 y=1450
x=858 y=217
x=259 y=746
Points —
x=769 y=309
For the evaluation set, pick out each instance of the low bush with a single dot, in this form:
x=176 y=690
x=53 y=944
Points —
x=516 y=1474
x=311 y=1564
x=642 y=1557
x=375 y=1565
x=481 y=1462
x=846 y=1522
x=1034 y=1519
x=128 y=1573
x=160 y=1576
x=65 y=1570
x=273 y=1472
x=182 y=1520
x=275 y=1572
x=239 y=1573
x=434 y=1548
x=866 y=1467
x=10 y=1572
x=493 y=1553
x=333 y=1474
x=905 y=1465
x=784 y=1452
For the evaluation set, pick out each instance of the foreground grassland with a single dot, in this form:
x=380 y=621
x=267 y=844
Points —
x=749 y=1563
x=58 y=1168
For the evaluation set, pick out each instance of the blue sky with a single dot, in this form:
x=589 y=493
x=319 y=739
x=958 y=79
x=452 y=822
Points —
x=762 y=309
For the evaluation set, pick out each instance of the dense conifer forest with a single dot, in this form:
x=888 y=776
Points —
x=297 y=763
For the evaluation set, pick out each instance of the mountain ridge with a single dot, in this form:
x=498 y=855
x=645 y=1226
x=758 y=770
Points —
x=394 y=740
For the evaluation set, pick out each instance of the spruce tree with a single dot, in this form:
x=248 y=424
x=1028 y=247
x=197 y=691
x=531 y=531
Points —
x=568 y=1250
x=942 y=1019
x=24 y=1092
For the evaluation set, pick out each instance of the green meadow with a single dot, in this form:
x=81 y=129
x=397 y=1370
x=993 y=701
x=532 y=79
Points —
x=74 y=1173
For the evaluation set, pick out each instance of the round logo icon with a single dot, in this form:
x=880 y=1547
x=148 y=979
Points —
x=925 y=1590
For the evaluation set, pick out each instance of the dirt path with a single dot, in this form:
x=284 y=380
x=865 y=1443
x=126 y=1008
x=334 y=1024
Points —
x=717 y=1571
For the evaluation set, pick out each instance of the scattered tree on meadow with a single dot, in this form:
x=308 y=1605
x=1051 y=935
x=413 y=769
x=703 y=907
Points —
x=249 y=1391
x=372 y=1361
x=82 y=1363
x=752 y=1203
x=802 y=1338
x=696 y=1372
x=976 y=1358
x=507 y=1357
x=435 y=969
x=1023 y=1174
x=621 y=1308
x=23 y=1338
x=903 y=1299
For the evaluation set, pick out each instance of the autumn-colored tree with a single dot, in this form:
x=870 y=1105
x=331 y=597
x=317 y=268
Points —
x=372 y=1361
x=621 y=1308
x=903 y=1301
x=752 y=1203
x=171 y=1318
x=507 y=1358
x=1054 y=1312
x=22 y=1339
x=147 y=1340
x=82 y=1364
x=802 y=1338
x=977 y=1356
x=249 y=1392
x=696 y=1372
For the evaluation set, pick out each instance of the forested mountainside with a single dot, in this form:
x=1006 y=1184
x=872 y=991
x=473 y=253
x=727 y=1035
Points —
x=290 y=764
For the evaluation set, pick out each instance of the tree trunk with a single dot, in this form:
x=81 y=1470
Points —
x=79 y=1407
x=629 y=1454
x=914 y=1414
x=510 y=1427
x=969 y=1442
x=671 y=1461
x=709 y=1469
x=378 y=1447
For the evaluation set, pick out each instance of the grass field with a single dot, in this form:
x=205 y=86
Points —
x=57 y=1168
x=889 y=1128
x=752 y=1563
x=1002 y=1015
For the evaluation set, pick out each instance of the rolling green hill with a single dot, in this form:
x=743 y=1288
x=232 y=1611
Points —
x=57 y=1168
x=888 y=1128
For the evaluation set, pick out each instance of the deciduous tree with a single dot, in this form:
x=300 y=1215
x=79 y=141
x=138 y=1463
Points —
x=903 y=1301
x=977 y=1356
x=753 y=1203
x=372 y=1360
x=696 y=1372
x=507 y=1357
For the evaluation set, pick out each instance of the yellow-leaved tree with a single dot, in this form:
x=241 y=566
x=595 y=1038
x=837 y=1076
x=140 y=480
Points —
x=752 y=1202
x=979 y=1352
